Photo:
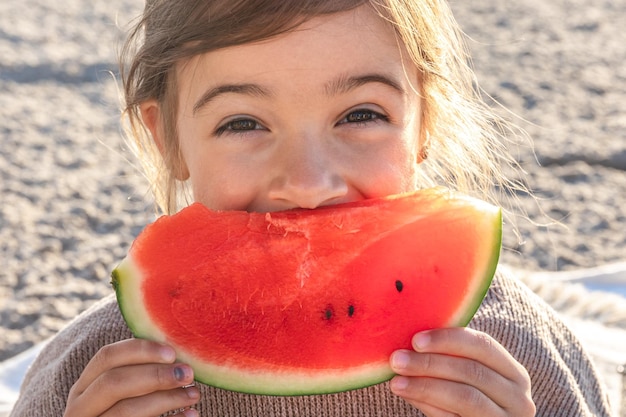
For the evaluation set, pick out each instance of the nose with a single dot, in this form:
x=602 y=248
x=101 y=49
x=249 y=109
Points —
x=307 y=174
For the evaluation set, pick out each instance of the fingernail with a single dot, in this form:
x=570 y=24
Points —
x=180 y=373
x=400 y=359
x=192 y=393
x=399 y=383
x=190 y=412
x=421 y=341
x=167 y=353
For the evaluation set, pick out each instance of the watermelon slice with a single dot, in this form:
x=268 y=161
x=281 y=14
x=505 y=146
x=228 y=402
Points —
x=308 y=301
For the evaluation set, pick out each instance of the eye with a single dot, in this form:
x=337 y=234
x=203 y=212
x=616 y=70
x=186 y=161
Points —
x=239 y=125
x=363 y=116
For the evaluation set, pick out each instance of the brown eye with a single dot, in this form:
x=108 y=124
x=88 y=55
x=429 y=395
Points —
x=239 y=126
x=363 y=116
x=244 y=124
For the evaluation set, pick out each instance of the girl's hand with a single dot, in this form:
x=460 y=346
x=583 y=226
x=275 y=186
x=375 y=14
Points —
x=132 y=378
x=461 y=372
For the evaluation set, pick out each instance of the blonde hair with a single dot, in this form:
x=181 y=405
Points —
x=462 y=135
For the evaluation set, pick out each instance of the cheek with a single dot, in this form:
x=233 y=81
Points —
x=388 y=171
x=400 y=157
x=221 y=184
x=212 y=187
x=405 y=173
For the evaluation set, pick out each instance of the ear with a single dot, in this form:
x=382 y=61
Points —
x=151 y=117
x=423 y=134
x=423 y=144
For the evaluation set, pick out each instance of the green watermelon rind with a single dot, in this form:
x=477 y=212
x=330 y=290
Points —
x=131 y=306
x=126 y=281
x=482 y=278
x=286 y=383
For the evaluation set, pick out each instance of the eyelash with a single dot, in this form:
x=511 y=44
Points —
x=362 y=117
x=371 y=117
x=228 y=127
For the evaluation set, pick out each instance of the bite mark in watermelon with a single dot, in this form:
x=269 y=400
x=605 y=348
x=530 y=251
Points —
x=308 y=301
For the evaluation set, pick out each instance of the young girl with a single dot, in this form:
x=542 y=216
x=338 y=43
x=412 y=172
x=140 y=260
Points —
x=264 y=105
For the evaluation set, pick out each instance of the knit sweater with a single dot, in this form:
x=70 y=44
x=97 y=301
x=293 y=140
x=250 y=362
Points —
x=564 y=381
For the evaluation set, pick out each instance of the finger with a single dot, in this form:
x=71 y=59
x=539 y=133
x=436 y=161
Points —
x=132 y=381
x=447 y=397
x=125 y=352
x=156 y=403
x=430 y=411
x=457 y=369
x=472 y=344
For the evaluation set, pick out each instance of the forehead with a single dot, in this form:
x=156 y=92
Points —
x=355 y=41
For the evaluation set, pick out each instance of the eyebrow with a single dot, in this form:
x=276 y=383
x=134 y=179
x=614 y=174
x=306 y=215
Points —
x=341 y=85
x=344 y=84
x=245 y=89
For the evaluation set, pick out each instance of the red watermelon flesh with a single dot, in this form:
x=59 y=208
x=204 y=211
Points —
x=308 y=301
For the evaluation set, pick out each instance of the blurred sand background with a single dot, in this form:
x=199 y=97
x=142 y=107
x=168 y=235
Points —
x=71 y=199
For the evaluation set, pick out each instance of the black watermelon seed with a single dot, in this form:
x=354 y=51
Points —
x=328 y=313
x=399 y=285
x=350 y=311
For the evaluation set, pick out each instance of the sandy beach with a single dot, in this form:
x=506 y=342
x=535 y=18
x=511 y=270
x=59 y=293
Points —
x=72 y=198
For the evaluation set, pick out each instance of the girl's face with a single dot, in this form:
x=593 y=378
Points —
x=325 y=114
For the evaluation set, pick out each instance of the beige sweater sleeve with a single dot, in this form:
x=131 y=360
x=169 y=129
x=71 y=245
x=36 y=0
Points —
x=564 y=380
